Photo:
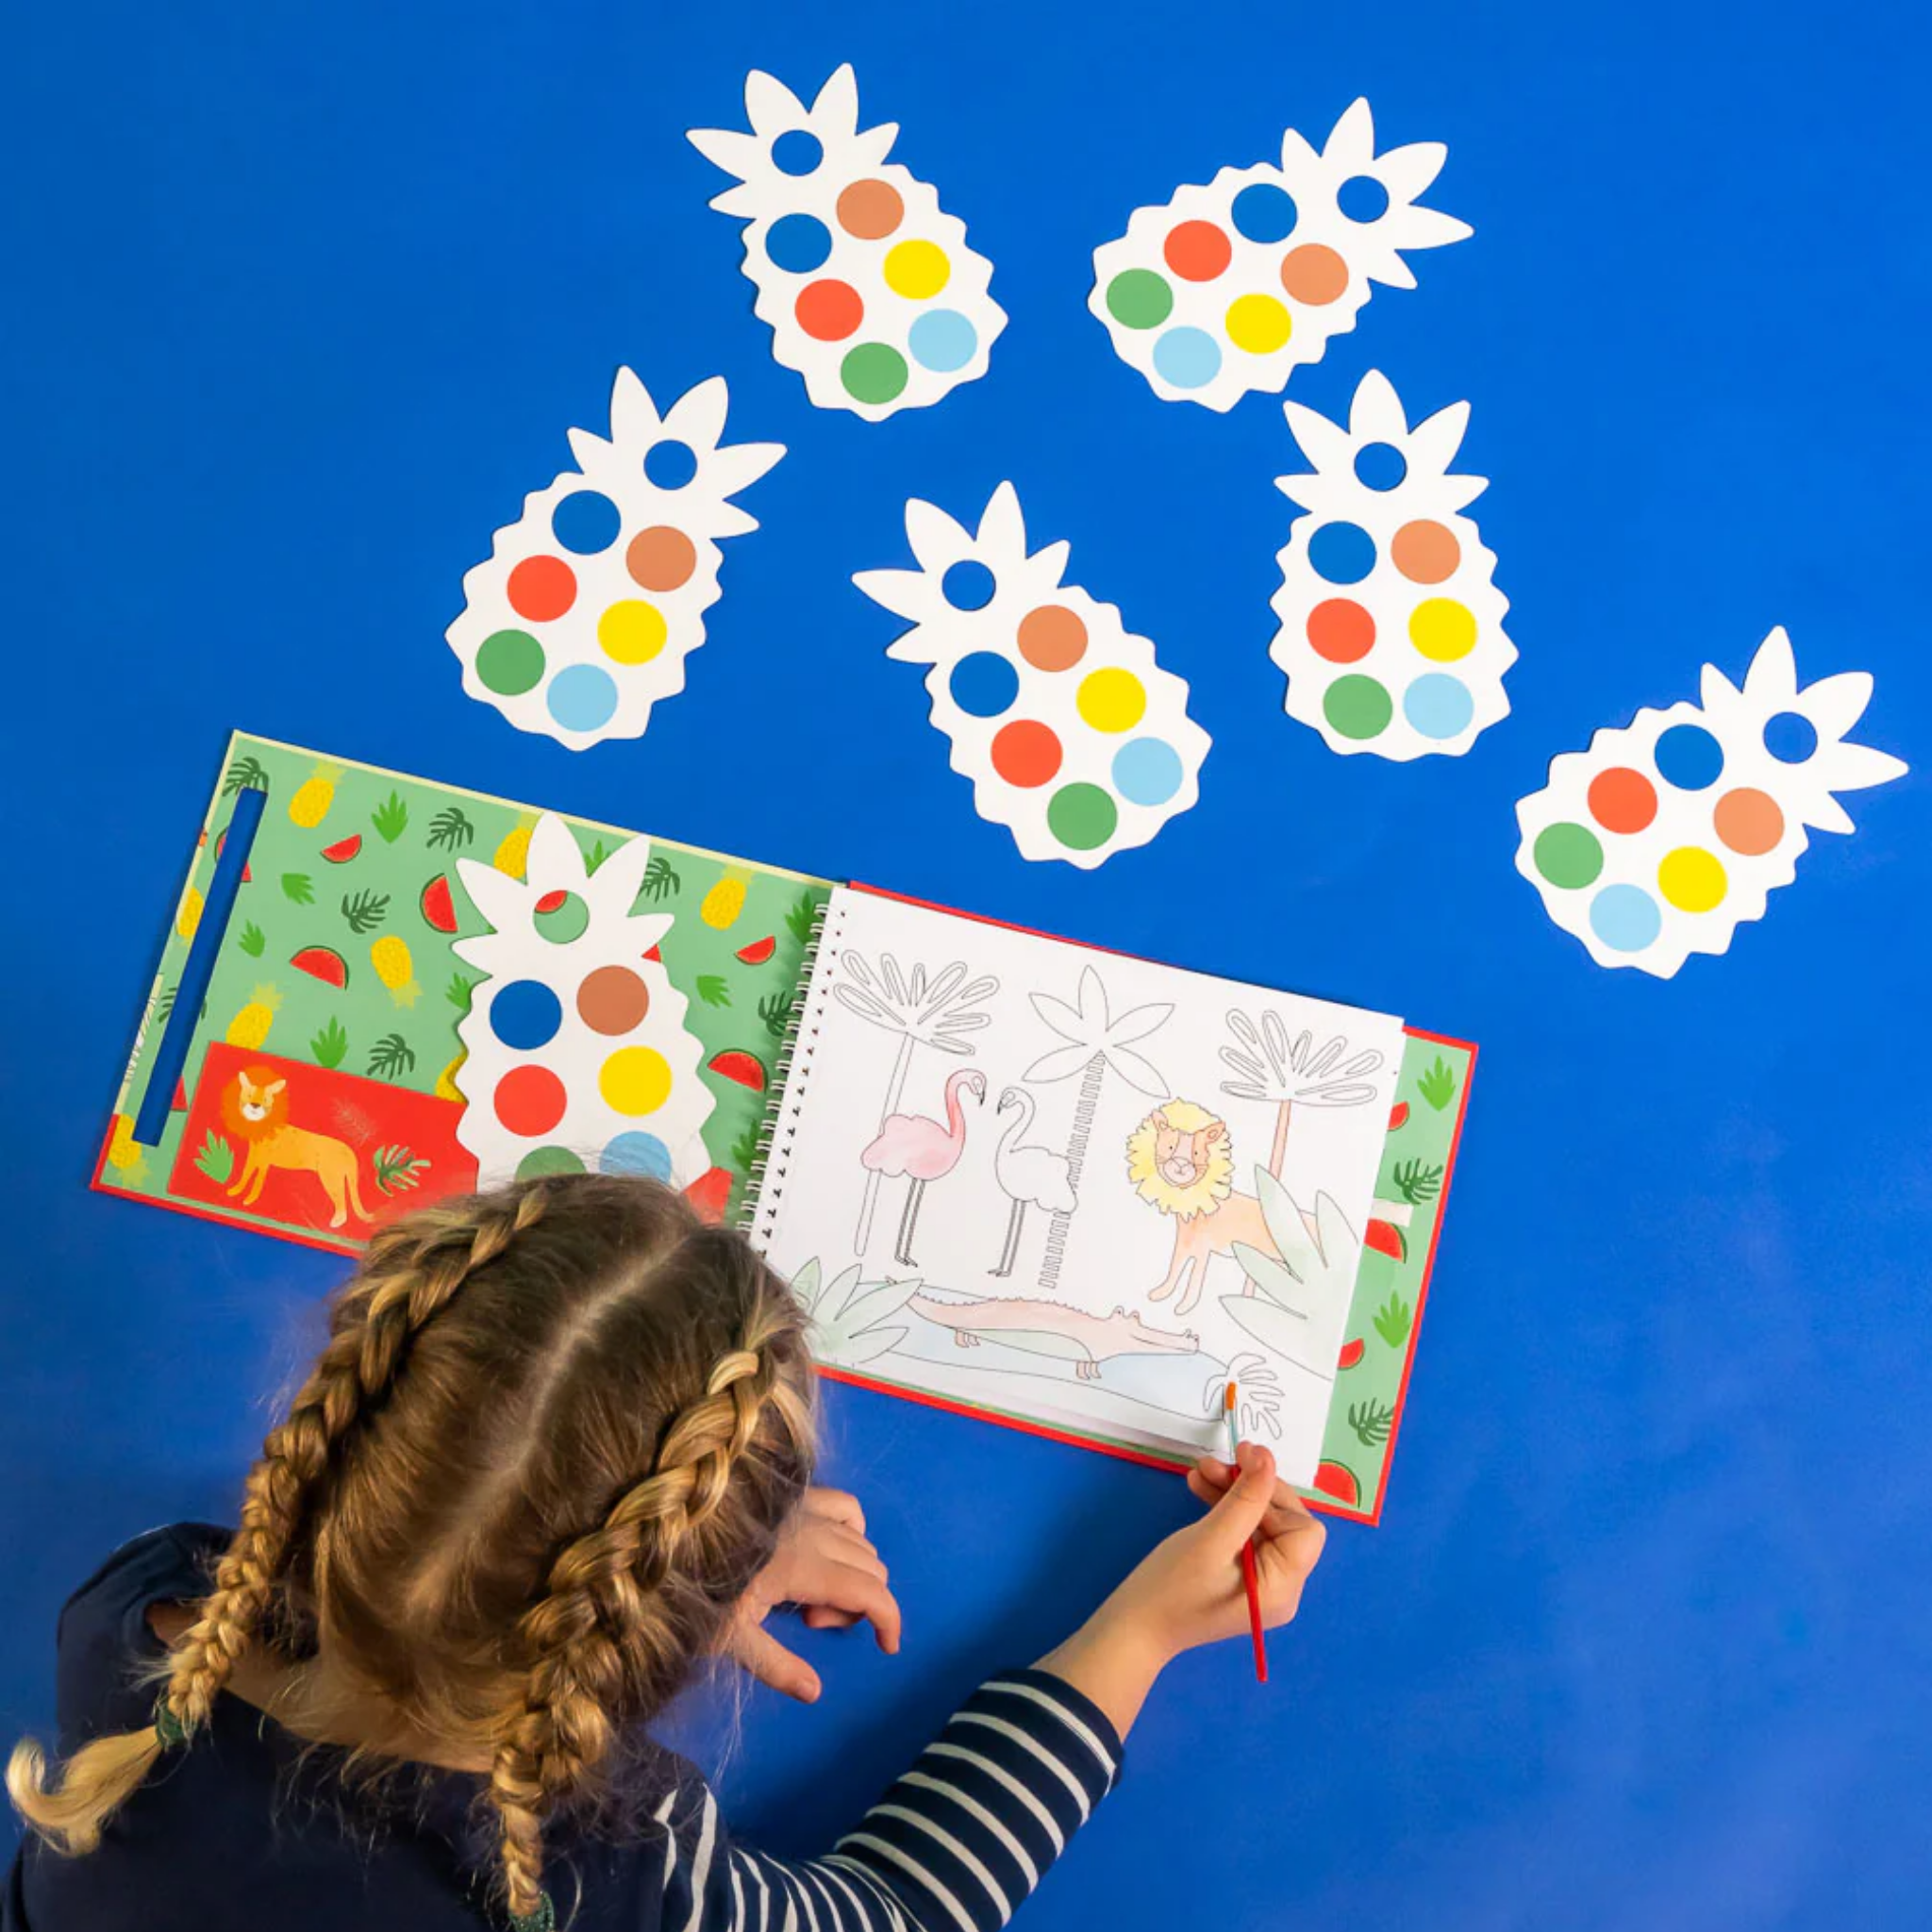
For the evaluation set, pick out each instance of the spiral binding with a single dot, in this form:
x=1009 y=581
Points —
x=791 y=1070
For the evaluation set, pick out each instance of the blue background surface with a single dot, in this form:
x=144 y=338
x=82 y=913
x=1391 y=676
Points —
x=301 y=301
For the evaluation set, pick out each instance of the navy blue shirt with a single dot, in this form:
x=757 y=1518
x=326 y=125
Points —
x=247 y=1829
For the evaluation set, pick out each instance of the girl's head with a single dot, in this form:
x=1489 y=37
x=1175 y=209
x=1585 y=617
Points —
x=554 y=1434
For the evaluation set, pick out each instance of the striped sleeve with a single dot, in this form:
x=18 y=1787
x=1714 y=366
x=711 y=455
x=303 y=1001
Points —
x=954 y=1846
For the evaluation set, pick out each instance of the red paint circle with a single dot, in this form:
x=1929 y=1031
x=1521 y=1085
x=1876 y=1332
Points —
x=1340 y=631
x=1622 y=800
x=529 y=1100
x=542 y=587
x=828 y=311
x=1197 y=251
x=1026 y=753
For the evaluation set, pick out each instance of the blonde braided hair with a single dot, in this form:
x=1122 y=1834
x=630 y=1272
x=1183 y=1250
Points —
x=435 y=1515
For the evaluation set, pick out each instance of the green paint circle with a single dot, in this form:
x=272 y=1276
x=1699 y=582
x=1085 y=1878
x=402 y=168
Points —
x=510 y=662
x=1139 y=298
x=562 y=923
x=1358 y=707
x=1081 y=817
x=872 y=372
x=543 y=1160
x=1568 y=855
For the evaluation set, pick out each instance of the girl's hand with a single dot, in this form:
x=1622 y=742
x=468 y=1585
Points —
x=1188 y=1590
x=825 y=1568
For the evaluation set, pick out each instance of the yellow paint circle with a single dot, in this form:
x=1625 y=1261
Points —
x=1441 y=629
x=1111 y=700
x=631 y=631
x=917 y=269
x=635 y=1080
x=1257 y=323
x=1691 y=879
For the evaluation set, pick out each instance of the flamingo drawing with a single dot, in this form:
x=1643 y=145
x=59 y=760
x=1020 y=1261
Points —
x=917 y=1146
x=1028 y=1177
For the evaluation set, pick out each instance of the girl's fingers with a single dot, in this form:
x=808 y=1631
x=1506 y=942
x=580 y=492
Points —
x=768 y=1660
x=823 y=1617
x=836 y=1541
x=839 y=1505
x=835 y=1586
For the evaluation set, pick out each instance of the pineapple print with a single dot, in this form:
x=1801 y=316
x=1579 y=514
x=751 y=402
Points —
x=1074 y=737
x=1670 y=832
x=313 y=796
x=124 y=1152
x=577 y=1053
x=187 y=914
x=868 y=286
x=249 y=1028
x=589 y=604
x=724 y=901
x=390 y=957
x=513 y=853
x=1391 y=626
x=1228 y=289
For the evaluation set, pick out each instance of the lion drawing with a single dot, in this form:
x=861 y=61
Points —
x=1180 y=1161
x=254 y=1109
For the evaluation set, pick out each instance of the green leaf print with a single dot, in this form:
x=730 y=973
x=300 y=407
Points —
x=1392 y=1320
x=216 y=1158
x=659 y=879
x=1438 y=1085
x=801 y=916
x=459 y=991
x=365 y=910
x=391 y=1055
x=1417 y=1182
x=712 y=990
x=247 y=774
x=1370 y=1421
x=450 y=830
x=296 y=885
x=252 y=939
x=775 y=1010
x=328 y=1046
x=389 y=817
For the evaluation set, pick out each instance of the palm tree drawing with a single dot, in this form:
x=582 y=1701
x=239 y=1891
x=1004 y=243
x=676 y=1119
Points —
x=1097 y=1041
x=1294 y=1072
x=938 y=1010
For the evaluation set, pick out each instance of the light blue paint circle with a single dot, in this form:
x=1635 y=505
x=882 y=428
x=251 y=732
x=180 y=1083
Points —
x=1187 y=357
x=1147 y=772
x=1438 y=705
x=582 y=697
x=635 y=1152
x=1626 y=918
x=942 y=340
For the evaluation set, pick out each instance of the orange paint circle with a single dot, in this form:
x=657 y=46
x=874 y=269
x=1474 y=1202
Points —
x=1622 y=800
x=828 y=311
x=1314 y=275
x=1197 y=251
x=1340 y=631
x=1026 y=753
x=1749 y=821
x=1052 y=638
x=661 y=558
x=870 y=209
x=541 y=587
x=1425 y=552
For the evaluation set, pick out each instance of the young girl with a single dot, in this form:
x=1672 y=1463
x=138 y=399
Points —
x=557 y=1451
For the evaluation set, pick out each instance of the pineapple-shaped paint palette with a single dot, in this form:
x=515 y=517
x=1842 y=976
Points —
x=1391 y=625
x=1228 y=288
x=583 y=616
x=578 y=1057
x=1667 y=834
x=868 y=286
x=1074 y=737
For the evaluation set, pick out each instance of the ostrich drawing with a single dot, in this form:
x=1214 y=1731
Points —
x=1028 y=1177
x=917 y=1146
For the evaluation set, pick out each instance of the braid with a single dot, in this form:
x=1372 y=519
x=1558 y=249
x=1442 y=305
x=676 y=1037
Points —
x=410 y=1275
x=602 y=1630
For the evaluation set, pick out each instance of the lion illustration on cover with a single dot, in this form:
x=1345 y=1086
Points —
x=1181 y=1160
x=254 y=1109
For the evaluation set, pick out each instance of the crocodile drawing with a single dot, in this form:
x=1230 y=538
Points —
x=1052 y=1328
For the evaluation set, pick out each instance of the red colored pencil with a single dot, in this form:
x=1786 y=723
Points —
x=1249 y=1578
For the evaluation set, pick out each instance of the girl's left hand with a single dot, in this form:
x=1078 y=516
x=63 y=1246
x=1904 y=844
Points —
x=826 y=1568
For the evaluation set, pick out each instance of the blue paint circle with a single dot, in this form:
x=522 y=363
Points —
x=798 y=243
x=1187 y=357
x=1380 y=466
x=1147 y=772
x=670 y=465
x=1264 y=213
x=983 y=684
x=587 y=522
x=968 y=585
x=581 y=697
x=797 y=151
x=1341 y=553
x=1362 y=198
x=943 y=339
x=1626 y=918
x=1790 y=737
x=525 y=1015
x=1689 y=757
x=1438 y=705
x=635 y=1152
